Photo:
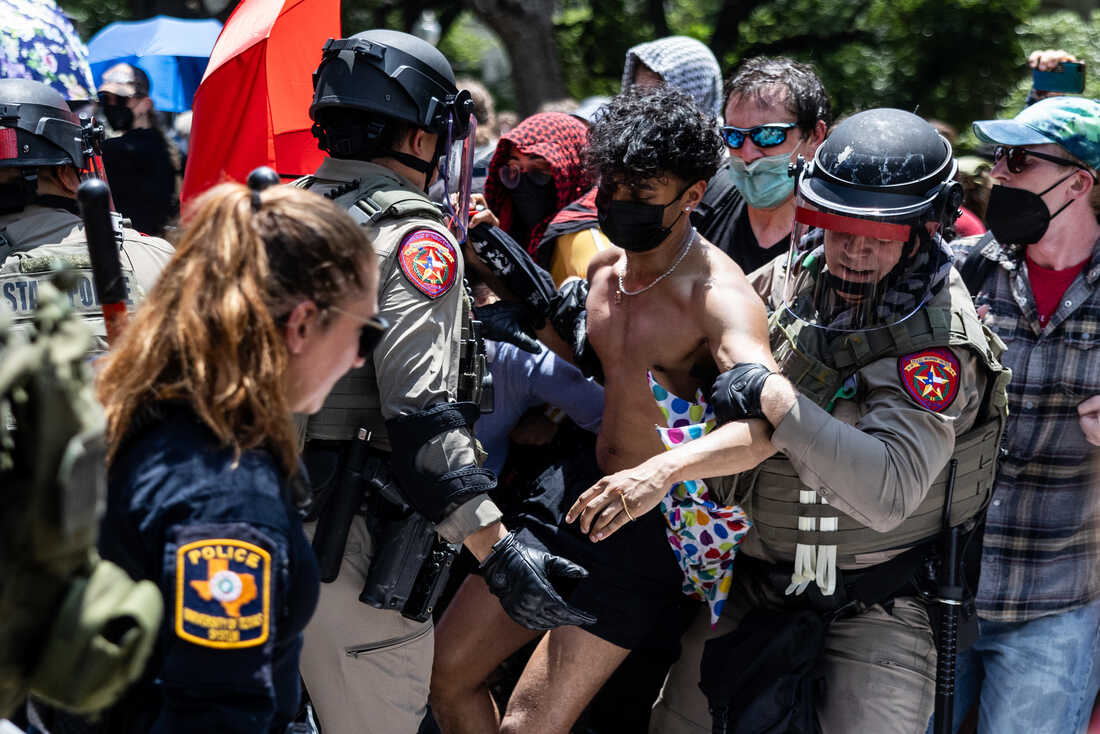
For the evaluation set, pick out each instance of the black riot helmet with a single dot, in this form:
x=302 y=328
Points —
x=37 y=129
x=865 y=255
x=383 y=77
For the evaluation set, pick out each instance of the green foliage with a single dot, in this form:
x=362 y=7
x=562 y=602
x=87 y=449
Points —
x=89 y=16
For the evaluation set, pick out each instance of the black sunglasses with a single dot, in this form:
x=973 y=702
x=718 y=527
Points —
x=764 y=136
x=1016 y=159
x=370 y=333
x=510 y=174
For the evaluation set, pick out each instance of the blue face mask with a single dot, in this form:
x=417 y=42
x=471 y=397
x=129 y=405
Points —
x=764 y=183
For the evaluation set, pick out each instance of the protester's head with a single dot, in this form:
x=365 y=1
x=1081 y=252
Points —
x=776 y=109
x=877 y=191
x=536 y=171
x=388 y=96
x=260 y=310
x=484 y=110
x=124 y=98
x=42 y=143
x=680 y=62
x=651 y=147
x=1045 y=172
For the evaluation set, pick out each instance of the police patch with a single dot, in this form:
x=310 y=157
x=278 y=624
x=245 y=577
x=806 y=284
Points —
x=223 y=593
x=428 y=260
x=931 y=377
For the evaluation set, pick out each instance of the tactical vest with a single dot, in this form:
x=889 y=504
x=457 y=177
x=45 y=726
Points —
x=354 y=401
x=26 y=265
x=772 y=500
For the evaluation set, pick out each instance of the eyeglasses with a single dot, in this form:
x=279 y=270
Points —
x=1016 y=159
x=763 y=136
x=370 y=334
x=510 y=174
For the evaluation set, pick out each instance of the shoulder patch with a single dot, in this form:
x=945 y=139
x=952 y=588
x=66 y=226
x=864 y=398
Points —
x=429 y=262
x=931 y=377
x=223 y=593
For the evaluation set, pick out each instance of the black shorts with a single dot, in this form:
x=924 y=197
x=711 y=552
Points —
x=634 y=583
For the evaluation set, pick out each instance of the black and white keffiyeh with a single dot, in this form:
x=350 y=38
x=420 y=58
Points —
x=684 y=63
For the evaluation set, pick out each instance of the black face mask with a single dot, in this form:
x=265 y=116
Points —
x=532 y=203
x=1018 y=216
x=632 y=225
x=119 y=116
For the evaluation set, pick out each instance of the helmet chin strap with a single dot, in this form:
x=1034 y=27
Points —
x=417 y=164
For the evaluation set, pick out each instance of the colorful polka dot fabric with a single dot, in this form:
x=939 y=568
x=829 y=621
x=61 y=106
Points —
x=704 y=535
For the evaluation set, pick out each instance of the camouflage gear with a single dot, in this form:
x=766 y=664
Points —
x=74 y=630
x=1071 y=122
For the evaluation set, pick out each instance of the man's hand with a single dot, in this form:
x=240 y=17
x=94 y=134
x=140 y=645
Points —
x=1048 y=59
x=522 y=578
x=508 y=321
x=617 y=499
x=1089 y=417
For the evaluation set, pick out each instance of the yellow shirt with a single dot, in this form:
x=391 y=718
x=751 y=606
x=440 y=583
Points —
x=572 y=253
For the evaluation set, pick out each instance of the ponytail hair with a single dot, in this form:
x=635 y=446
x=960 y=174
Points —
x=209 y=334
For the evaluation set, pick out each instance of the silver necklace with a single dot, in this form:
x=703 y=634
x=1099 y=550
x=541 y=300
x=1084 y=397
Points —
x=683 y=253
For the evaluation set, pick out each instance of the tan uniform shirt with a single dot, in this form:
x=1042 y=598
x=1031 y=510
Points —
x=42 y=237
x=416 y=365
x=875 y=457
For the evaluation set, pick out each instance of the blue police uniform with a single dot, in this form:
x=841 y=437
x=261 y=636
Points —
x=223 y=539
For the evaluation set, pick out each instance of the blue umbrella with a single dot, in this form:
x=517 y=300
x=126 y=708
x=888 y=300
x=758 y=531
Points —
x=38 y=42
x=173 y=52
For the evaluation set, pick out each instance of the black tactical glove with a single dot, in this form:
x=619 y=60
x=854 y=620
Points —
x=522 y=578
x=736 y=393
x=508 y=321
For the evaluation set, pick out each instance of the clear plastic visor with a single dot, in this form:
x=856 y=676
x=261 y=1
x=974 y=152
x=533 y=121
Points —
x=848 y=273
x=456 y=167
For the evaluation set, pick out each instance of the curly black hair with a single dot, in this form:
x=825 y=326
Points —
x=651 y=133
x=757 y=78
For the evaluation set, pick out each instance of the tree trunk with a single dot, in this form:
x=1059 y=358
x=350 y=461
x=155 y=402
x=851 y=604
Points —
x=526 y=29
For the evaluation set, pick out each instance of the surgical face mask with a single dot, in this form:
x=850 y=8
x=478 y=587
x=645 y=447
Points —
x=119 y=116
x=532 y=202
x=635 y=226
x=764 y=183
x=1018 y=216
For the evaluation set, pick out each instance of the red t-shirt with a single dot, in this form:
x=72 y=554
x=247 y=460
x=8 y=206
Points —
x=968 y=223
x=1048 y=286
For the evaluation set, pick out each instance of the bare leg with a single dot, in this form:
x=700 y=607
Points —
x=474 y=636
x=568 y=668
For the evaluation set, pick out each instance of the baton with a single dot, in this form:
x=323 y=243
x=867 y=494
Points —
x=950 y=593
x=95 y=209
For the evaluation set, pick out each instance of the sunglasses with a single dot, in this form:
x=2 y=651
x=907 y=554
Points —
x=1016 y=159
x=510 y=174
x=370 y=334
x=763 y=136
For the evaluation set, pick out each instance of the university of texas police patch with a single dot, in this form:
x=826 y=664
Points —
x=429 y=261
x=223 y=593
x=931 y=377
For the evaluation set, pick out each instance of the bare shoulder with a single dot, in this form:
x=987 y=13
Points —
x=720 y=276
x=602 y=260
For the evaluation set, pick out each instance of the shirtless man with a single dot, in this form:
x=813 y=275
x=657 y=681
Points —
x=667 y=303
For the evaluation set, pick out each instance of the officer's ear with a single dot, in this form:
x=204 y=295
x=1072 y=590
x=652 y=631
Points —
x=422 y=143
x=301 y=323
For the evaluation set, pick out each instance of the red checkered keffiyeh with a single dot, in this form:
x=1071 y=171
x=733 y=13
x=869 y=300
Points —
x=561 y=140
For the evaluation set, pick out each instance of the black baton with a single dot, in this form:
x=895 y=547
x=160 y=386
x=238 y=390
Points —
x=950 y=595
x=110 y=286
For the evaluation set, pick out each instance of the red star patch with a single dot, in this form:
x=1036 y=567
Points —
x=931 y=377
x=429 y=261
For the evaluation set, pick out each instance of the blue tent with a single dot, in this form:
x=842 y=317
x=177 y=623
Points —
x=173 y=52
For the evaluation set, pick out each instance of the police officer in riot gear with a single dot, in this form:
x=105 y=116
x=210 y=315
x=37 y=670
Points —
x=886 y=418
x=392 y=458
x=45 y=150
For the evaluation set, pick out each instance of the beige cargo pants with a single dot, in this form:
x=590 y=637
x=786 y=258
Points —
x=879 y=667
x=367 y=670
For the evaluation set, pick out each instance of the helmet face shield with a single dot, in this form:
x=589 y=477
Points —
x=456 y=167
x=847 y=273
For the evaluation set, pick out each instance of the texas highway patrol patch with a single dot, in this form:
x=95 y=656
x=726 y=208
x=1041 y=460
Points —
x=931 y=377
x=223 y=593
x=428 y=260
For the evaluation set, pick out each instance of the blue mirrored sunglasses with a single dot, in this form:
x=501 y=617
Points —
x=763 y=136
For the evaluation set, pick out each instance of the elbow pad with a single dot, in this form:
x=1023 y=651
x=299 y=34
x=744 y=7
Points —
x=434 y=495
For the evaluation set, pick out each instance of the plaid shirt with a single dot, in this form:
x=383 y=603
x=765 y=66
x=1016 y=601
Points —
x=1041 y=551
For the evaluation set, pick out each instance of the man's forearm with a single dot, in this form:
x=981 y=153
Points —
x=729 y=449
